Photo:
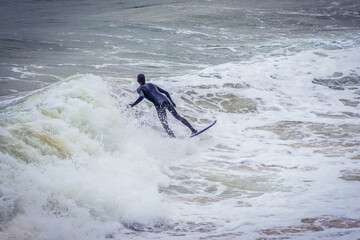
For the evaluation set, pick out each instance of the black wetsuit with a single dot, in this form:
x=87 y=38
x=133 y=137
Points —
x=162 y=102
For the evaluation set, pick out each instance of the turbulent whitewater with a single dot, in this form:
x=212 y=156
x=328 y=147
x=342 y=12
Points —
x=282 y=162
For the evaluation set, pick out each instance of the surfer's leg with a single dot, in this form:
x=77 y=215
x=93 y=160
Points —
x=163 y=119
x=173 y=111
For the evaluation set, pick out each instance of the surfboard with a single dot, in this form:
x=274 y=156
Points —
x=200 y=132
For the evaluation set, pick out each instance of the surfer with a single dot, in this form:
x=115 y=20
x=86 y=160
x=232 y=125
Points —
x=162 y=101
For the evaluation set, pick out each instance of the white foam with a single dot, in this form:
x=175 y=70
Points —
x=303 y=182
x=237 y=179
x=111 y=173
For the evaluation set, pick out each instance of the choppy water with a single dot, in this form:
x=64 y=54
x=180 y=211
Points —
x=281 y=77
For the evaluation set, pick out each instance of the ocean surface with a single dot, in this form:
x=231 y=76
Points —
x=281 y=77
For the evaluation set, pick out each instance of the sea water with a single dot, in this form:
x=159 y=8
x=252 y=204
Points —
x=280 y=77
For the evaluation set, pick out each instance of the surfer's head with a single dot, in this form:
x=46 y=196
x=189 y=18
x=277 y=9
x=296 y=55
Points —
x=141 y=79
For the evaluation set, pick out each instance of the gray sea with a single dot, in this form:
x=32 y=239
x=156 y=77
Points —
x=281 y=77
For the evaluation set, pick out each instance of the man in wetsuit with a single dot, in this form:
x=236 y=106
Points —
x=162 y=101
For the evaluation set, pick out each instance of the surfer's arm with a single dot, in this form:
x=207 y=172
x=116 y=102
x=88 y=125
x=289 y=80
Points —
x=141 y=97
x=167 y=95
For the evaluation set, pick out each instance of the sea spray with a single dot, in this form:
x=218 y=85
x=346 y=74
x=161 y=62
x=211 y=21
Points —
x=70 y=159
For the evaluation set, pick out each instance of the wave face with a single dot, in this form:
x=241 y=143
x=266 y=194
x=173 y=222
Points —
x=70 y=160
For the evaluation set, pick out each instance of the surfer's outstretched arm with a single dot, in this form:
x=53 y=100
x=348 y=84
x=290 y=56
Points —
x=141 y=97
x=167 y=95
